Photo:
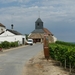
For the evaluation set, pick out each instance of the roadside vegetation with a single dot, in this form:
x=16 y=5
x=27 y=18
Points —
x=7 y=44
x=64 y=52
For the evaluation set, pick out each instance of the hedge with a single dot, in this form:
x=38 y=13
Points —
x=7 y=44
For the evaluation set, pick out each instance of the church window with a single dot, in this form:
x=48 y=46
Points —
x=38 y=24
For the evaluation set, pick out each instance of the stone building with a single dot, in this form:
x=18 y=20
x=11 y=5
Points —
x=38 y=34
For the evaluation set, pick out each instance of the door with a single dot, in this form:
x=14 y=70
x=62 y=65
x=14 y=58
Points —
x=23 y=41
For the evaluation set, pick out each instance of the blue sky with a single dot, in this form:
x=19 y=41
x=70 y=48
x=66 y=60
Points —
x=58 y=16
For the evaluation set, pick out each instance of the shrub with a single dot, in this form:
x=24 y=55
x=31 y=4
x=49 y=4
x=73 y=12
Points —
x=5 y=44
x=14 y=44
x=0 y=45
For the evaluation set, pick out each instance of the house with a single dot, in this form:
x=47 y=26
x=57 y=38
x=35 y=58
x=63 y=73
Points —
x=38 y=34
x=11 y=35
x=2 y=28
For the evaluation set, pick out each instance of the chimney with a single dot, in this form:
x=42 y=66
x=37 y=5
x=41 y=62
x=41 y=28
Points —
x=12 y=26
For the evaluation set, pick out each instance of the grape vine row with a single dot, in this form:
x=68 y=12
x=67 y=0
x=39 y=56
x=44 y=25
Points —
x=65 y=53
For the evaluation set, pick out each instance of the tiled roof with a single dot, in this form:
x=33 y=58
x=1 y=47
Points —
x=2 y=25
x=47 y=31
x=40 y=36
x=36 y=35
x=14 y=32
x=44 y=30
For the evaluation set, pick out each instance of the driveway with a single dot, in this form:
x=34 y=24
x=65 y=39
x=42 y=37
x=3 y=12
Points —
x=12 y=62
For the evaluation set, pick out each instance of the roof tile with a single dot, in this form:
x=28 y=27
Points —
x=2 y=25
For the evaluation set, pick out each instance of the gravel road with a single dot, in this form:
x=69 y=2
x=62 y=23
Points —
x=38 y=65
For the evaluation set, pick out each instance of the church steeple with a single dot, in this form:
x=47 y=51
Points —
x=38 y=24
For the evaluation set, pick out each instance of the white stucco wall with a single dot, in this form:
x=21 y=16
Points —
x=55 y=39
x=7 y=33
x=10 y=37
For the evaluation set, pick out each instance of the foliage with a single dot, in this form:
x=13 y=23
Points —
x=5 y=44
x=62 y=51
x=14 y=44
x=26 y=36
x=0 y=45
x=65 y=43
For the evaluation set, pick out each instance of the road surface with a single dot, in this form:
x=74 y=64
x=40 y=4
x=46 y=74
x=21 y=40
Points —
x=12 y=62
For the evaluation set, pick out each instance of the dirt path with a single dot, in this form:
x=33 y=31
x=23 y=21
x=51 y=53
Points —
x=39 y=66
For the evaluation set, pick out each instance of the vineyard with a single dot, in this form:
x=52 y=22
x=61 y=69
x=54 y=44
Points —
x=63 y=52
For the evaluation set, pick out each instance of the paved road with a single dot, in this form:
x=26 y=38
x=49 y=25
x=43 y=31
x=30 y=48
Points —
x=12 y=62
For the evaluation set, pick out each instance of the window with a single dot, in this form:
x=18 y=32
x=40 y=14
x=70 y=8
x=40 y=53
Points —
x=38 y=24
x=1 y=30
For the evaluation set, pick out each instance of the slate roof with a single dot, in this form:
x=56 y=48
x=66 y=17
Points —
x=2 y=25
x=14 y=31
x=39 y=20
x=44 y=30
x=38 y=31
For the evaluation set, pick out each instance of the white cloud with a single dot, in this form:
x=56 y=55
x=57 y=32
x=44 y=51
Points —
x=52 y=12
x=19 y=1
x=7 y=1
x=50 y=9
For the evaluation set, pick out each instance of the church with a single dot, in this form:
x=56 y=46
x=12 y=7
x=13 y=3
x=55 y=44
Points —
x=38 y=34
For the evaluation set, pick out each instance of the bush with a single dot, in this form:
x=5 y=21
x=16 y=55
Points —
x=0 y=45
x=5 y=44
x=14 y=44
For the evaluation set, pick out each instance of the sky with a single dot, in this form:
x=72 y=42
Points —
x=58 y=16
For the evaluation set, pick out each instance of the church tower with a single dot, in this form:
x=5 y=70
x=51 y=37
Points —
x=38 y=24
x=38 y=34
